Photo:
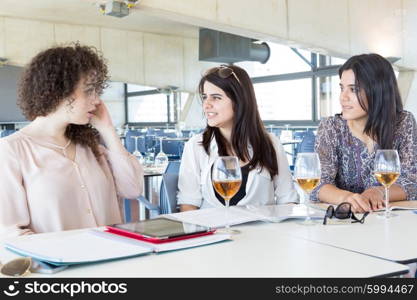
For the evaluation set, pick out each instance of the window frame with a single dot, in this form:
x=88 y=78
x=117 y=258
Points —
x=170 y=123
x=315 y=72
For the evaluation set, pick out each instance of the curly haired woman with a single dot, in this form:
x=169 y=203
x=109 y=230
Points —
x=67 y=169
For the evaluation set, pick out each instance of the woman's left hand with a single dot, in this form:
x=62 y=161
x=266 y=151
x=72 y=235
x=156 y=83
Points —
x=101 y=119
x=375 y=196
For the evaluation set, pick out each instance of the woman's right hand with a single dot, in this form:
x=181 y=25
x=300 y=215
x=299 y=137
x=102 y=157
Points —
x=360 y=203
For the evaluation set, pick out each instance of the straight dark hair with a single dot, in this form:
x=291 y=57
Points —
x=247 y=128
x=375 y=76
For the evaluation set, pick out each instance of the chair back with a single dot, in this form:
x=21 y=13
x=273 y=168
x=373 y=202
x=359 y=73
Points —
x=173 y=167
x=168 y=194
x=172 y=148
x=307 y=144
x=130 y=141
x=7 y=132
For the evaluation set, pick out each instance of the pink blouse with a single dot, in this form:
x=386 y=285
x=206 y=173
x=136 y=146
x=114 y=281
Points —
x=41 y=190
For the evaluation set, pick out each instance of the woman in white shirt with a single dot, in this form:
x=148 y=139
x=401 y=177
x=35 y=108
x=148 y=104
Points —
x=234 y=127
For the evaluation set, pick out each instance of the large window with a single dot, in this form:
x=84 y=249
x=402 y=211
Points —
x=328 y=92
x=284 y=100
x=149 y=106
x=295 y=86
x=148 y=109
x=282 y=60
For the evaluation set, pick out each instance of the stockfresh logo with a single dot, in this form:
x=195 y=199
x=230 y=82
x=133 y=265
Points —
x=12 y=290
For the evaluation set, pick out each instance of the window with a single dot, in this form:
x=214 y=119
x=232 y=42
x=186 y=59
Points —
x=148 y=109
x=153 y=107
x=282 y=60
x=138 y=88
x=328 y=92
x=285 y=100
x=295 y=86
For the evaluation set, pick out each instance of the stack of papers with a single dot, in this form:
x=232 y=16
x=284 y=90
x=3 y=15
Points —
x=217 y=217
x=94 y=246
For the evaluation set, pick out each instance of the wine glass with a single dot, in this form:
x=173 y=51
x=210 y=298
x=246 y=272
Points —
x=227 y=178
x=161 y=160
x=307 y=173
x=149 y=159
x=137 y=152
x=387 y=169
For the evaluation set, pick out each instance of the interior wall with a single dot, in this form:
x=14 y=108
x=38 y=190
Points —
x=411 y=95
x=135 y=57
x=341 y=28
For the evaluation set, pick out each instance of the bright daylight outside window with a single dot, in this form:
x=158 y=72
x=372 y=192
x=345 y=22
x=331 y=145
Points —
x=328 y=92
x=285 y=93
x=148 y=108
x=284 y=100
x=148 y=105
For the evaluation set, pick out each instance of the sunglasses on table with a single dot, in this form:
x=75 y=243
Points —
x=223 y=71
x=18 y=267
x=342 y=212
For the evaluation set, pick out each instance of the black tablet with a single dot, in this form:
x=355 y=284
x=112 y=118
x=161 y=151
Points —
x=161 y=228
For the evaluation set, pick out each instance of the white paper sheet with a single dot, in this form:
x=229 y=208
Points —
x=217 y=218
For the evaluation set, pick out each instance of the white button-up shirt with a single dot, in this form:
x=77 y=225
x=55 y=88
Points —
x=195 y=187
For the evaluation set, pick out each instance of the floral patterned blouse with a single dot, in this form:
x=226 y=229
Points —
x=347 y=164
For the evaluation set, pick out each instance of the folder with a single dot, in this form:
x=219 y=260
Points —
x=80 y=247
x=217 y=218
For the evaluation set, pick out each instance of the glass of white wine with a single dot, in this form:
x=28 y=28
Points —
x=387 y=169
x=307 y=173
x=227 y=178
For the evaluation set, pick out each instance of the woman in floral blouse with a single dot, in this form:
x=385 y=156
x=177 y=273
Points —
x=372 y=118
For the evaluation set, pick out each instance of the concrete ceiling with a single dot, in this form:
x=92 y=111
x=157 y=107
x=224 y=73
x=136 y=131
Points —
x=86 y=12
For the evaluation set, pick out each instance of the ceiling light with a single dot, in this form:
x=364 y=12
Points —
x=3 y=61
x=117 y=9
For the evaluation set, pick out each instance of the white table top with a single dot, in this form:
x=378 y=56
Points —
x=258 y=251
x=393 y=239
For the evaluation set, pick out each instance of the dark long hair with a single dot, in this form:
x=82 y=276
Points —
x=247 y=128
x=52 y=76
x=375 y=76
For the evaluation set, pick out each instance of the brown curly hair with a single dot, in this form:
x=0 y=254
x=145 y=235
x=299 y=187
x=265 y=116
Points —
x=52 y=76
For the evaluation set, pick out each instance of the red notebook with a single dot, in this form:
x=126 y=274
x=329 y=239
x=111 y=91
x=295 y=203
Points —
x=154 y=240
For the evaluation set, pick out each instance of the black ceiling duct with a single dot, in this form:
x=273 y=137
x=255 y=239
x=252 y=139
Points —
x=216 y=46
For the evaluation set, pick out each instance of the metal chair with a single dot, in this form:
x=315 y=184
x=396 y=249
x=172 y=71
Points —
x=307 y=144
x=130 y=141
x=167 y=195
x=7 y=132
x=173 y=148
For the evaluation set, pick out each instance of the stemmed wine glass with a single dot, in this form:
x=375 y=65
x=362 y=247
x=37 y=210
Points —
x=307 y=173
x=387 y=169
x=227 y=178
x=137 y=152
x=149 y=159
x=161 y=160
